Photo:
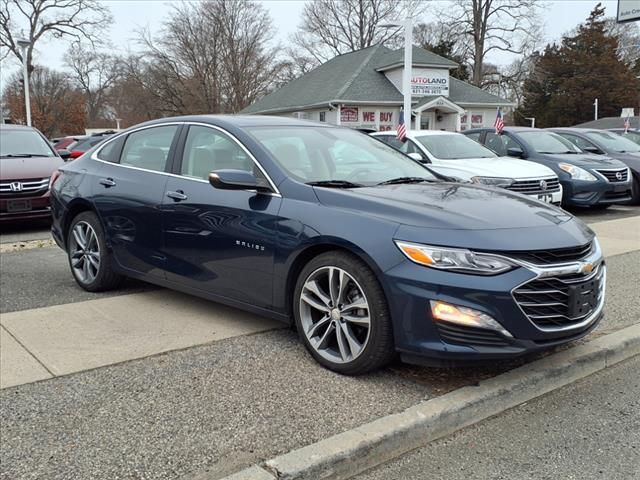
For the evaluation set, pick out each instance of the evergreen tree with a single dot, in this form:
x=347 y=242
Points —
x=566 y=79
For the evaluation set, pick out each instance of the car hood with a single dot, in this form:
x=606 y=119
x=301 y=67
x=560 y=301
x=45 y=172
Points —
x=446 y=205
x=28 y=168
x=630 y=159
x=584 y=160
x=494 y=167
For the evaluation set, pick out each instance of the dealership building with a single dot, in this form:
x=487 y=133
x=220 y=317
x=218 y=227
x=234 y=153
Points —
x=363 y=89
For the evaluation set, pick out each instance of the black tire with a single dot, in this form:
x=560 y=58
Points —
x=635 y=190
x=378 y=350
x=105 y=278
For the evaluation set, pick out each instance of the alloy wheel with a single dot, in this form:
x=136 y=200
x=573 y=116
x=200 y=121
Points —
x=84 y=252
x=335 y=314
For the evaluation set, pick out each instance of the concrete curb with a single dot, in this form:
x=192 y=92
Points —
x=349 y=453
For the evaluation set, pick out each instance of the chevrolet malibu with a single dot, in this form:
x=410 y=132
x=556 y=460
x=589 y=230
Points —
x=366 y=251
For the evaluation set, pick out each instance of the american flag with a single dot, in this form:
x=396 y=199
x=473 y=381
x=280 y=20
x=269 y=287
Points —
x=499 y=123
x=402 y=128
x=627 y=124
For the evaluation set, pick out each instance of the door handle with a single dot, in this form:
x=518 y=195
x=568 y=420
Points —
x=177 y=195
x=107 y=182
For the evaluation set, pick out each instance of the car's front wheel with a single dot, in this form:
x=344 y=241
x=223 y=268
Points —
x=89 y=259
x=342 y=314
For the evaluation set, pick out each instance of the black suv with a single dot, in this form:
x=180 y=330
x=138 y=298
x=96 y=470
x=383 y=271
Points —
x=587 y=180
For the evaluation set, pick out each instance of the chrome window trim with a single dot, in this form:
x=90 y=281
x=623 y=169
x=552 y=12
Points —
x=94 y=155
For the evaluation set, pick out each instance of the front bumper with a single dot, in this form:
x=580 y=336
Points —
x=25 y=208
x=578 y=193
x=421 y=339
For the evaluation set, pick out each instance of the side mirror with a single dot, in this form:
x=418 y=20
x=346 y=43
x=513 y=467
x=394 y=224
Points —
x=593 y=149
x=416 y=156
x=236 y=180
x=515 y=152
x=64 y=154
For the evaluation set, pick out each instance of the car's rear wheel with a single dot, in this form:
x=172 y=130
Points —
x=342 y=314
x=635 y=190
x=89 y=258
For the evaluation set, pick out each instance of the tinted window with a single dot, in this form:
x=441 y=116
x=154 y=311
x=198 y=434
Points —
x=207 y=149
x=578 y=141
x=500 y=143
x=322 y=154
x=405 y=147
x=474 y=136
x=148 y=148
x=547 y=142
x=23 y=143
x=111 y=151
x=454 y=147
x=614 y=142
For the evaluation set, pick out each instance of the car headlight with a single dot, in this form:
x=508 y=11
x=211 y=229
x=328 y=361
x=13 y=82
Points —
x=454 y=259
x=494 y=181
x=577 y=173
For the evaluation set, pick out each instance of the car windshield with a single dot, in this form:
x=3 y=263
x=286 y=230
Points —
x=548 y=142
x=344 y=157
x=23 y=143
x=614 y=142
x=633 y=136
x=454 y=147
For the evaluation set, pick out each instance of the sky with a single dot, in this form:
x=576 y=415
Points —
x=129 y=16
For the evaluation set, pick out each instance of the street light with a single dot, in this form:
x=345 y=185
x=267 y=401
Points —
x=24 y=44
x=408 y=65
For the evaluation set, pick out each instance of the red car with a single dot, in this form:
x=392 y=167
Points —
x=27 y=162
x=67 y=143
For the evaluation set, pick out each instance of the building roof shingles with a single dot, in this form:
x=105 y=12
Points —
x=352 y=77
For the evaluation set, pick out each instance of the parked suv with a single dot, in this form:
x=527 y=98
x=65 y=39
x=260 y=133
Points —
x=587 y=180
x=454 y=155
x=601 y=142
x=27 y=162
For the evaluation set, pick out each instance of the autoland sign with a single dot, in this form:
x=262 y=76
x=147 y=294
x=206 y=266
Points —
x=628 y=11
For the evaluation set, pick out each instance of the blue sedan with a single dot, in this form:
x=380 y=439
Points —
x=366 y=251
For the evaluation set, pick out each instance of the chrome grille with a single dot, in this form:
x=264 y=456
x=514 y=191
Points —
x=617 y=175
x=24 y=188
x=552 y=256
x=563 y=301
x=534 y=186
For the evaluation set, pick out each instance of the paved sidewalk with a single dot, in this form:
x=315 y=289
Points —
x=618 y=236
x=588 y=430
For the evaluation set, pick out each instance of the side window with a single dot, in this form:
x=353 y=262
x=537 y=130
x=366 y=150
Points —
x=148 y=148
x=496 y=143
x=111 y=152
x=579 y=142
x=474 y=136
x=208 y=149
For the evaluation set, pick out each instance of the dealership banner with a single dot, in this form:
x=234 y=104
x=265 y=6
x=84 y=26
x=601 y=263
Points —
x=368 y=117
x=628 y=10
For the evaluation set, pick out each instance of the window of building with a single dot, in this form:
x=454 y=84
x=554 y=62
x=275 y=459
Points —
x=323 y=116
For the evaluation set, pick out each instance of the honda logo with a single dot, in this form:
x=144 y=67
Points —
x=15 y=186
x=543 y=185
x=619 y=176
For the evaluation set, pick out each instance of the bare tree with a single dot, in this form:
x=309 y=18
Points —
x=488 y=25
x=37 y=20
x=94 y=73
x=57 y=106
x=210 y=57
x=334 y=27
x=628 y=35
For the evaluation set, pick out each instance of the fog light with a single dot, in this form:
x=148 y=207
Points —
x=464 y=316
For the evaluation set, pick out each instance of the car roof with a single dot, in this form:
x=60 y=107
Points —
x=575 y=129
x=507 y=129
x=11 y=126
x=416 y=133
x=242 y=121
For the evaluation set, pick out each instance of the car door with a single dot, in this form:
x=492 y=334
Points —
x=129 y=190
x=218 y=241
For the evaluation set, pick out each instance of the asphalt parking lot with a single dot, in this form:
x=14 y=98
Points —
x=218 y=406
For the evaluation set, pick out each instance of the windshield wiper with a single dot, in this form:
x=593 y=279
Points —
x=334 y=184
x=23 y=155
x=395 y=181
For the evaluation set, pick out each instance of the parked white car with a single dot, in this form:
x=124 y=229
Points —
x=458 y=156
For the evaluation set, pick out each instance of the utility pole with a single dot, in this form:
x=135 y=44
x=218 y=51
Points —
x=595 y=104
x=24 y=44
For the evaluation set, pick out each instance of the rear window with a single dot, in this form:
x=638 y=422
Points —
x=24 y=143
